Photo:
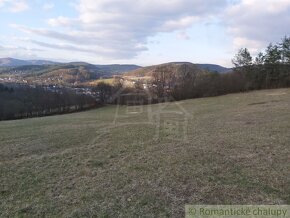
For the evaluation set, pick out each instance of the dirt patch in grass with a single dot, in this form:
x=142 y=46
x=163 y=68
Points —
x=264 y=102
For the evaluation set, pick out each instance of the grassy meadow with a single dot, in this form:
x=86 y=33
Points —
x=148 y=161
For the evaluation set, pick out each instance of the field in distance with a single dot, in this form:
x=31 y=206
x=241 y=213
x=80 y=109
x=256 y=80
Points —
x=148 y=160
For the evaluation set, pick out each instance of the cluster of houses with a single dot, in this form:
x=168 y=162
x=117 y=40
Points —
x=53 y=85
x=52 y=88
x=13 y=80
x=78 y=91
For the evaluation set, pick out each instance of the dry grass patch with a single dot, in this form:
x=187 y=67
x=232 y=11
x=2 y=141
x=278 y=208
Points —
x=84 y=164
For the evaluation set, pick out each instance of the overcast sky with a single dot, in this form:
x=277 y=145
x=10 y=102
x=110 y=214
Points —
x=142 y=32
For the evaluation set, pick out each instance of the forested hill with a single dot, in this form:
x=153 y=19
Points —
x=214 y=68
x=62 y=74
x=177 y=67
x=21 y=67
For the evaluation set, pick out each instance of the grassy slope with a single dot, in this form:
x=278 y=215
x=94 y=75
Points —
x=78 y=165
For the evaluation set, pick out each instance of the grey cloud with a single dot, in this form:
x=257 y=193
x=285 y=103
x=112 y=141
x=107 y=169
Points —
x=122 y=28
x=100 y=52
x=11 y=48
x=19 y=51
x=63 y=47
x=98 y=41
x=256 y=23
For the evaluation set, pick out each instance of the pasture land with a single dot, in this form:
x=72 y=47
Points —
x=148 y=161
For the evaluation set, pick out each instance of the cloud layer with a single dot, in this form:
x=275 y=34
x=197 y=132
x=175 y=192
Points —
x=120 y=29
x=14 y=6
x=123 y=29
x=255 y=23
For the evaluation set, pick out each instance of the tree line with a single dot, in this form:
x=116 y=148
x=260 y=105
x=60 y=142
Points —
x=269 y=69
x=23 y=101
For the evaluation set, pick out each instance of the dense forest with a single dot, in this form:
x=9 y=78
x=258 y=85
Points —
x=23 y=101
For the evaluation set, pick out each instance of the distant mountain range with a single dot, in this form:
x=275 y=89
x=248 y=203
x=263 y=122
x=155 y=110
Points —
x=110 y=68
x=214 y=68
x=117 y=68
x=11 y=62
x=48 y=72
x=40 y=67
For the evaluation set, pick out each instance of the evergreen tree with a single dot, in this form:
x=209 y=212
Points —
x=285 y=50
x=243 y=58
x=259 y=60
x=273 y=54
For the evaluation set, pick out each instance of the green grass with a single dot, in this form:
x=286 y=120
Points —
x=116 y=162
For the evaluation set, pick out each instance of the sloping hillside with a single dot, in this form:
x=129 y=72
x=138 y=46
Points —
x=175 y=67
x=116 y=161
x=63 y=73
